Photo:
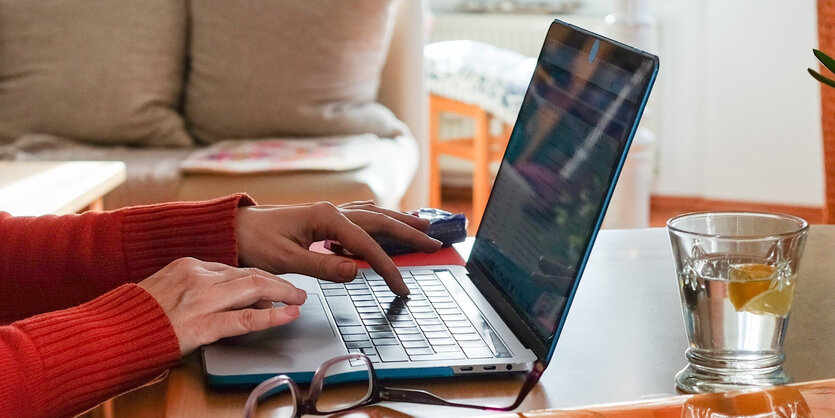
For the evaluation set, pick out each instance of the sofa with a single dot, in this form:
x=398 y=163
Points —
x=150 y=82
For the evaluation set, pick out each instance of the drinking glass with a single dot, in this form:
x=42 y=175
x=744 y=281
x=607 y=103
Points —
x=737 y=273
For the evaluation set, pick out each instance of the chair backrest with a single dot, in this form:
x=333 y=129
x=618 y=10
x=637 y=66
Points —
x=826 y=43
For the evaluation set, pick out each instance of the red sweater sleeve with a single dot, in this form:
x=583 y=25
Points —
x=65 y=362
x=54 y=262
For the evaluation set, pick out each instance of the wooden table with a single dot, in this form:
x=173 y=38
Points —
x=624 y=340
x=40 y=188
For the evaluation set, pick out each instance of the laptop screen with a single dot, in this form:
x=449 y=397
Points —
x=578 y=117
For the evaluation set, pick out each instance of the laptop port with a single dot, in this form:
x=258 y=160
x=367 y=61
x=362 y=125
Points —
x=489 y=367
x=467 y=369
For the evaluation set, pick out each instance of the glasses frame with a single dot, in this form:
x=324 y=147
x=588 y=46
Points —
x=376 y=392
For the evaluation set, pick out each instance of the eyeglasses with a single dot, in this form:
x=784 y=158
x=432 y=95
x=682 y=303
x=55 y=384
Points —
x=357 y=367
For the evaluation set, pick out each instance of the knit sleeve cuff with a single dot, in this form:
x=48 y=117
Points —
x=92 y=352
x=153 y=236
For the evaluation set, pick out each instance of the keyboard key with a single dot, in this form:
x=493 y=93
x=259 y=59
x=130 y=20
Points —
x=444 y=305
x=433 y=287
x=374 y=321
x=401 y=331
x=478 y=352
x=467 y=337
x=446 y=348
x=414 y=303
x=410 y=337
x=429 y=328
x=361 y=297
x=458 y=324
x=359 y=292
x=419 y=351
x=389 y=353
x=335 y=292
x=436 y=293
x=416 y=309
x=378 y=328
x=438 y=356
x=428 y=321
x=449 y=311
x=343 y=311
x=355 y=337
x=436 y=334
x=352 y=330
x=415 y=344
x=359 y=344
x=369 y=351
x=386 y=341
x=374 y=359
x=368 y=309
x=472 y=343
x=440 y=299
x=356 y=286
x=371 y=315
x=382 y=288
x=417 y=273
x=418 y=315
x=461 y=330
x=329 y=285
x=388 y=334
x=365 y=303
x=459 y=317
x=404 y=324
x=441 y=341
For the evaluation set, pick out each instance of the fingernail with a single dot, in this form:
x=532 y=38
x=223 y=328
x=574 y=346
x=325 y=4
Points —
x=347 y=270
x=292 y=310
x=302 y=294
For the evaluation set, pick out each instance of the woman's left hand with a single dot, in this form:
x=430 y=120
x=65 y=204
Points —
x=277 y=239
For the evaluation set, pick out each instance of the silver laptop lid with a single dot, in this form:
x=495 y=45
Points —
x=569 y=143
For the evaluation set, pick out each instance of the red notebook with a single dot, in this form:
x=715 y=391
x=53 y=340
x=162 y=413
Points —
x=444 y=256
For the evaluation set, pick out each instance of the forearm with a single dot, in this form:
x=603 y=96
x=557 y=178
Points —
x=53 y=262
x=64 y=362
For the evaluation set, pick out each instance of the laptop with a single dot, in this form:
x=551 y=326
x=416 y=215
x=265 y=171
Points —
x=506 y=308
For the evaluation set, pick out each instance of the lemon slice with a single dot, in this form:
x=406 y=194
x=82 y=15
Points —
x=748 y=281
x=777 y=301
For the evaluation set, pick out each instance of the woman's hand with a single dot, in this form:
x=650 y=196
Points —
x=209 y=301
x=277 y=238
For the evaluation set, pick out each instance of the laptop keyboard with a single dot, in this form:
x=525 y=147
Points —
x=428 y=325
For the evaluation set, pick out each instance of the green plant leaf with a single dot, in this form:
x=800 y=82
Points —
x=826 y=60
x=822 y=79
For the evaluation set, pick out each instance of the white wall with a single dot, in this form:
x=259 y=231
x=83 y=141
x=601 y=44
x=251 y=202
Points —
x=740 y=117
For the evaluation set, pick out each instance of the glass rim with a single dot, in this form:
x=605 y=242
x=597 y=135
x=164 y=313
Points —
x=803 y=224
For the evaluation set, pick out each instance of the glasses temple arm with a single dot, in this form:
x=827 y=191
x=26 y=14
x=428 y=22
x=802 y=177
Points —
x=423 y=397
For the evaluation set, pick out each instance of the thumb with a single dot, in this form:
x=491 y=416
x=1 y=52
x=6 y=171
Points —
x=323 y=266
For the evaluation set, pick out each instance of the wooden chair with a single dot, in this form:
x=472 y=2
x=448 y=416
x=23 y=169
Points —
x=482 y=149
x=826 y=41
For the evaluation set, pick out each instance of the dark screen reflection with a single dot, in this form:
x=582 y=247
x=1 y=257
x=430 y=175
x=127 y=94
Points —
x=558 y=168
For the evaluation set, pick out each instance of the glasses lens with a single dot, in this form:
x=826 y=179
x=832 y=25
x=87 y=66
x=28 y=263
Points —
x=285 y=396
x=348 y=383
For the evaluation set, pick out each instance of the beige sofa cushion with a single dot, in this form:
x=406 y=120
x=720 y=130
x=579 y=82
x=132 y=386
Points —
x=266 y=68
x=98 y=71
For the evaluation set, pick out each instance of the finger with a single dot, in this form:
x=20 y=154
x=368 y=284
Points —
x=239 y=322
x=378 y=224
x=323 y=266
x=356 y=203
x=247 y=290
x=356 y=240
x=408 y=219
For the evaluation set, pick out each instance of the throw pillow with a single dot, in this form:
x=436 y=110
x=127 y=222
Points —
x=99 y=71
x=266 y=68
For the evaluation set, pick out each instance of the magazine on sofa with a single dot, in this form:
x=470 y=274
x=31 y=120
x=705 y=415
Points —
x=333 y=153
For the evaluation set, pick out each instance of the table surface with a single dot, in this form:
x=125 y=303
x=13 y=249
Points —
x=624 y=339
x=31 y=188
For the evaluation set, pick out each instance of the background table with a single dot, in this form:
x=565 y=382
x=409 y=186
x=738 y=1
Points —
x=31 y=188
x=624 y=340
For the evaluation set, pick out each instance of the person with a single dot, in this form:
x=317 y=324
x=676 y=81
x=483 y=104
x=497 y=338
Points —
x=99 y=303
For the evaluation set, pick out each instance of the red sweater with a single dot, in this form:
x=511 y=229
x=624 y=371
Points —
x=64 y=359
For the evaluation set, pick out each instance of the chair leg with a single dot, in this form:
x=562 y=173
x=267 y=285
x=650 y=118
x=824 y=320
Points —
x=481 y=169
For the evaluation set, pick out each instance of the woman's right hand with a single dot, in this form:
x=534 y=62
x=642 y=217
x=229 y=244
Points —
x=208 y=301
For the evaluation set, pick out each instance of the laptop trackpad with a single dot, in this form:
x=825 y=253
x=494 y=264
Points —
x=299 y=346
